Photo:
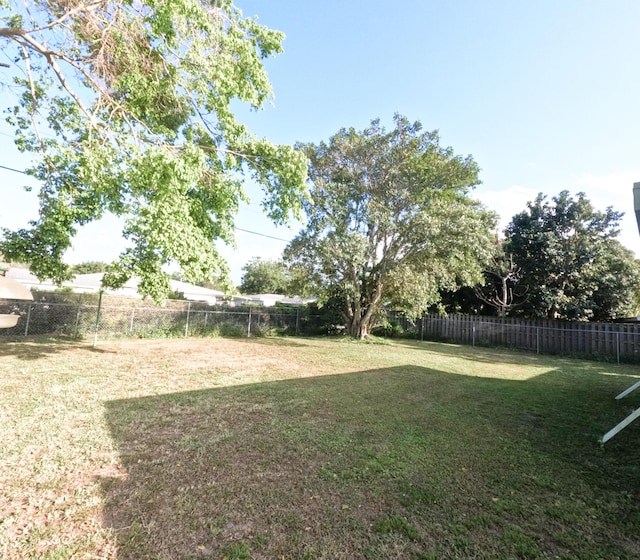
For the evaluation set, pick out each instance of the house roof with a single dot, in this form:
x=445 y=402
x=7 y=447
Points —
x=186 y=288
x=93 y=283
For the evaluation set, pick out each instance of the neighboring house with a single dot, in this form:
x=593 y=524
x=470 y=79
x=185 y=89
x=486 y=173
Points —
x=269 y=300
x=25 y=277
x=197 y=293
x=297 y=300
x=238 y=300
x=91 y=283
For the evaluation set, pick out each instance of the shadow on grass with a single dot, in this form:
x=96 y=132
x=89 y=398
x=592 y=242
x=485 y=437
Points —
x=497 y=354
x=31 y=349
x=276 y=341
x=402 y=462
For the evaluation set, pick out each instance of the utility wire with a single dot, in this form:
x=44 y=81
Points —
x=12 y=169
x=263 y=235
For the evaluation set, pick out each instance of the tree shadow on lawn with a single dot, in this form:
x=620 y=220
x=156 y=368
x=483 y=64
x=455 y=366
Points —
x=401 y=462
x=276 y=341
x=489 y=354
x=33 y=349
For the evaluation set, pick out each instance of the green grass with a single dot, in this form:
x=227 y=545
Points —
x=312 y=448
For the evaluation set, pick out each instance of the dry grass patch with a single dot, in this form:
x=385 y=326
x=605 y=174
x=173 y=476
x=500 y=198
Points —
x=298 y=448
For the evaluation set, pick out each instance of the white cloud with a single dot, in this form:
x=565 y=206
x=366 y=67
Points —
x=614 y=189
x=507 y=202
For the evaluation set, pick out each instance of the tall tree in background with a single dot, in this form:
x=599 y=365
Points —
x=88 y=267
x=265 y=277
x=572 y=265
x=390 y=221
x=127 y=107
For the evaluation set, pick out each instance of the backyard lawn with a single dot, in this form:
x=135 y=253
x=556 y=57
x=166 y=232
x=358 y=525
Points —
x=312 y=448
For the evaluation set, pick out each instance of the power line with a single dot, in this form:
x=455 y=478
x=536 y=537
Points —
x=263 y=235
x=12 y=169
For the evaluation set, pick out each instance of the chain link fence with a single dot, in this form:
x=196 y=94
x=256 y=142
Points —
x=84 y=315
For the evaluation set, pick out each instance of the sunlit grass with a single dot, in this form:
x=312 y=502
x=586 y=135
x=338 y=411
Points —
x=305 y=448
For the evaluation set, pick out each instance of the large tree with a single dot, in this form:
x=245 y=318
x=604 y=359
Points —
x=127 y=106
x=571 y=265
x=263 y=276
x=389 y=221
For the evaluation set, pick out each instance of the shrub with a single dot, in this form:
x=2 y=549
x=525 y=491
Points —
x=388 y=329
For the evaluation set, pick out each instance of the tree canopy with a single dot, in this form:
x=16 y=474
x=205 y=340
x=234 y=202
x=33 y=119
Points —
x=265 y=277
x=390 y=221
x=571 y=265
x=127 y=108
x=88 y=267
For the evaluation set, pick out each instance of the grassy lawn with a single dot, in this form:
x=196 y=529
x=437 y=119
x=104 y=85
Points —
x=312 y=448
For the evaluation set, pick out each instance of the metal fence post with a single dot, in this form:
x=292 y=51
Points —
x=537 y=340
x=95 y=335
x=618 y=346
x=249 y=324
x=186 y=327
x=473 y=335
x=133 y=314
x=422 y=328
x=75 y=330
x=26 y=327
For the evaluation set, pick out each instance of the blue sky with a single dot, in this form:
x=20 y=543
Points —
x=544 y=95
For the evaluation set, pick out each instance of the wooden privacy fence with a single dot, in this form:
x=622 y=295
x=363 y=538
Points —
x=620 y=341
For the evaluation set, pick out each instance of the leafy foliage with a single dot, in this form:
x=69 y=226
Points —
x=265 y=277
x=390 y=221
x=572 y=267
x=128 y=108
x=88 y=267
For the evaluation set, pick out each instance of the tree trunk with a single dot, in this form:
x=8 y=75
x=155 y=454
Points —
x=364 y=313
x=360 y=325
x=359 y=329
